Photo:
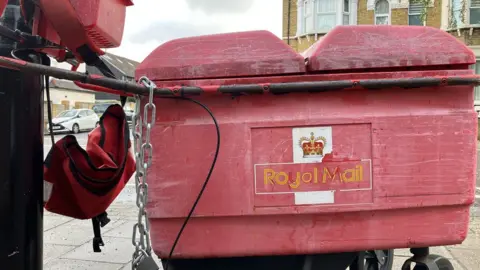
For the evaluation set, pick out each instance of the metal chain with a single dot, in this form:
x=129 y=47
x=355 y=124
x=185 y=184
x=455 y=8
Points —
x=143 y=151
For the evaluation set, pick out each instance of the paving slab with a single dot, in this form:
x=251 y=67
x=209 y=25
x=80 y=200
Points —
x=470 y=259
x=75 y=232
x=53 y=221
x=48 y=213
x=471 y=242
x=128 y=266
x=116 y=250
x=474 y=227
x=65 y=264
x=124 y=231
x=125 y=210
x=128 y=194
x=51 y=252
x=442 y=251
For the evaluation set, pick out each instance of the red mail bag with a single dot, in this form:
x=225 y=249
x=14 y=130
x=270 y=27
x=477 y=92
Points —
x=82 y=183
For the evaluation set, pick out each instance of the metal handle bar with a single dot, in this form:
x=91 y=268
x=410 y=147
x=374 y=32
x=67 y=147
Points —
x=129 y=88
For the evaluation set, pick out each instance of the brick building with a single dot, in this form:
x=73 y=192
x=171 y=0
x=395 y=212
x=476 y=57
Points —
x=306 y=21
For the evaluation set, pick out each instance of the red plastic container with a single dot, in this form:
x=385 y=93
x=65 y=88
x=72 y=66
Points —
x=300 y=173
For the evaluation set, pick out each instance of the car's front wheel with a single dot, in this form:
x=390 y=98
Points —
x=75 y=128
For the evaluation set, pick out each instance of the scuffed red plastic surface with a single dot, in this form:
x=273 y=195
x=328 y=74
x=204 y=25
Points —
x=386 y=46
x=421 y=144
x=103 y=20
x=252 y=53
x=3 y=4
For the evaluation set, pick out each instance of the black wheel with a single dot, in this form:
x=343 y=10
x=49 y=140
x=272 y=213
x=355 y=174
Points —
x=75 y=128
x=442 y=263
x=372 y=261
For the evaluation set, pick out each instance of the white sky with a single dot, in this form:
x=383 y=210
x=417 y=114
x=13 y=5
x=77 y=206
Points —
x=150 y=23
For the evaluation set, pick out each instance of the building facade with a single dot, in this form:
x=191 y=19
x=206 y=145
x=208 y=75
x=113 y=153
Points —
x=123 y=68
x=461 y=18
x=69 y=95
x=306 y=21
x=65 y=95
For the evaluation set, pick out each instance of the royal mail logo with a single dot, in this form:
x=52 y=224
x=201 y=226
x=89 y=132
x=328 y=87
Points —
x=326 y=175
x=311 y=144
x=293 y=177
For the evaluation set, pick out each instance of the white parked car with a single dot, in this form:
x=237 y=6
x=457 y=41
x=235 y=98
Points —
x=74 y=121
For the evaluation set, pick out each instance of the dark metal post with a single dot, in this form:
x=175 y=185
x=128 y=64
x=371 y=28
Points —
x=21 y=159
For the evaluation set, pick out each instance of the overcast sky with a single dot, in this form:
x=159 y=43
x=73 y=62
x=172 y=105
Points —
x=151 y=22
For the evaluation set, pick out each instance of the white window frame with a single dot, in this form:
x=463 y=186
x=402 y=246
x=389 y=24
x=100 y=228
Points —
x=477 y=88
x=346 y=13
x=414 y=14
x=469 y=11
x=450 y=7
x=339 y=13
x=460 y=23
x=318 y=13
x=389 y=15
x=304 y=15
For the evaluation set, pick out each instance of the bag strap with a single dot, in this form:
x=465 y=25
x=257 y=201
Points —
x=97 y=222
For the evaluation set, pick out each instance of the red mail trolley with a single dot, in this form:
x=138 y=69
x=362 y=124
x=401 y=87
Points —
x=366 y=142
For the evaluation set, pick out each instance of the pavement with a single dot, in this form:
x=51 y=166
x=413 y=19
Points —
x=68 y=242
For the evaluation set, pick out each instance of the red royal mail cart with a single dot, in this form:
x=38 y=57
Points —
x=366 y=142
x=255 y=157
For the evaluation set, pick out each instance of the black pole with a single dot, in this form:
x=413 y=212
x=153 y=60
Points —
x=21 y=158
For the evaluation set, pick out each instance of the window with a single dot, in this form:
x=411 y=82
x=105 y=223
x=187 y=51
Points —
x=308 y=16
x=320 y=16
x=415 y=11
x=100 y=108
x=382 y=12
x=70 y=113
x=326 y=15
x=90 y=112
x=456 y=13
x=476 y=67
x=82 y=113
x=346 y=12
x=474 y=11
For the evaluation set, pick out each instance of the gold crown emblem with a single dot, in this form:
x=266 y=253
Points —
x=313 y=146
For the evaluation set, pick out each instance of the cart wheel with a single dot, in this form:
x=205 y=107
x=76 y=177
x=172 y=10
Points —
x=432 y=261
x=420 y=267
x=372 y=262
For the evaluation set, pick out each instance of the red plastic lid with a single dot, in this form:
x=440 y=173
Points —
x=369 y=47
x=252 y=53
